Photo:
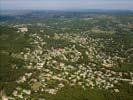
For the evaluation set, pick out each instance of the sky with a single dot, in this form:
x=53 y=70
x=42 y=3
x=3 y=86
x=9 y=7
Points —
x=66 y=4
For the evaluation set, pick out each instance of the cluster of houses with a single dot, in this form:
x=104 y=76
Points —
x=59 y=66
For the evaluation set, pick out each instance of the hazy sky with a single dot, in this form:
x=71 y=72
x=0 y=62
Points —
x=66 y=4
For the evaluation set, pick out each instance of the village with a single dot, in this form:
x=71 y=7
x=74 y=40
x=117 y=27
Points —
x=59 y=66
x=66 y=57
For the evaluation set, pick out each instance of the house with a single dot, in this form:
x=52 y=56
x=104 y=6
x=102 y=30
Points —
x=23 y=29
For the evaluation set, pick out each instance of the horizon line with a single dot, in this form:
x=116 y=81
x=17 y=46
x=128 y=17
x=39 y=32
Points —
x=84 y=9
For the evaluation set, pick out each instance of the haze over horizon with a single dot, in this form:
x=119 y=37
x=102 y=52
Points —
x=66 y=4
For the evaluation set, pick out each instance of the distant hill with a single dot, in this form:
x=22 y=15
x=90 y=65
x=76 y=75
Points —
x=8 y=15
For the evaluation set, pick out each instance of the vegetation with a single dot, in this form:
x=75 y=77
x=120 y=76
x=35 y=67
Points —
x=55 y=51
